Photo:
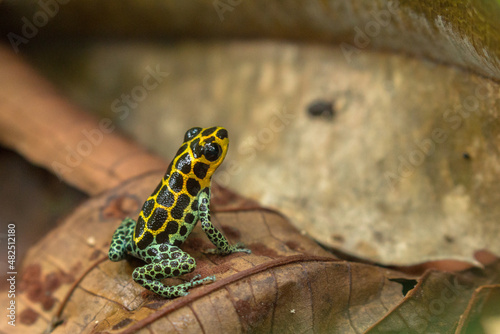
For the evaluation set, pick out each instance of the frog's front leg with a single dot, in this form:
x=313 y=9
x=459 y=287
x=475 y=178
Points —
x=167 y=261
x=214 y=235
x=122 y=240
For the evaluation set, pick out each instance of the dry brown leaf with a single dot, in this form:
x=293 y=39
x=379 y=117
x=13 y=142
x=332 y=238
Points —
x=287 y=283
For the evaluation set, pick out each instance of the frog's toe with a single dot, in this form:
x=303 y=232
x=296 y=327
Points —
x=240 y=248
x=195 y=278
x=183 y=292
x=196 y=281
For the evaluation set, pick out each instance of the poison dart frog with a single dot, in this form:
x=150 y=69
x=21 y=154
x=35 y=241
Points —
x=171 y=212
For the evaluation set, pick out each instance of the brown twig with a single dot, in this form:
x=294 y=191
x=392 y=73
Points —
x=37 y=122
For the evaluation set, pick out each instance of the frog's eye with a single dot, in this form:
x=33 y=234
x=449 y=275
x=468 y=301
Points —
x=191 y=133
x=212 y=151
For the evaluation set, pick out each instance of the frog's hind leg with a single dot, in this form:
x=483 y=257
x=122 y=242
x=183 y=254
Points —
x=167 y=261
x=122 y=239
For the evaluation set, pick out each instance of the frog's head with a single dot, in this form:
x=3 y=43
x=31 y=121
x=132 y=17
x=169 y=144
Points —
x=208 y=148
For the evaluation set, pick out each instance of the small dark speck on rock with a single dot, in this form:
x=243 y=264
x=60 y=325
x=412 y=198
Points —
x=466 y=156
x=321 y=108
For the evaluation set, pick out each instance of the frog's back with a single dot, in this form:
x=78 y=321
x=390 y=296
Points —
x=171 y=212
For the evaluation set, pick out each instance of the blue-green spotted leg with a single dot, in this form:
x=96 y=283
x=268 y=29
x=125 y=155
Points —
x=167 y=261
x=214 y=235
x=122 y=238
